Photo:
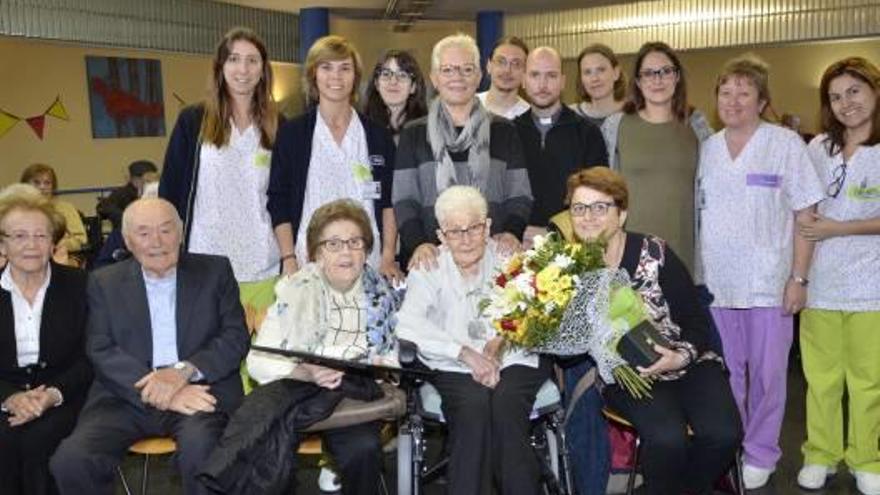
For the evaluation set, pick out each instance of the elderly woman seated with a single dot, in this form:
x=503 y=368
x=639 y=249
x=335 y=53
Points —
x=690 y=388
x=44 y=373
x=486 y=398
x=338 y=307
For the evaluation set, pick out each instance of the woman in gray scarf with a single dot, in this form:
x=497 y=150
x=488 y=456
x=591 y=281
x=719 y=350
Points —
x=458 y=143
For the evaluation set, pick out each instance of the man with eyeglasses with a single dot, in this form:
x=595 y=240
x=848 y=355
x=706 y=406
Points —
x=556 y=141
x=506 y=67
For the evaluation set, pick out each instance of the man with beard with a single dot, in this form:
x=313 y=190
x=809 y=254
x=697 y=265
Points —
x=557 y=142
x=506 y=67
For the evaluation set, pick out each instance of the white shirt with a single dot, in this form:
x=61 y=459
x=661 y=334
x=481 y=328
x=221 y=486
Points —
x=339 y=171
x=230 y=216
x=845 y=275
x=520 y=107
x=27 y=317
x=440 y=314
x=746 y=208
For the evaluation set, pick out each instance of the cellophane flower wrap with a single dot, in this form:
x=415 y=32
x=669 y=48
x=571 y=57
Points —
x=559 y=298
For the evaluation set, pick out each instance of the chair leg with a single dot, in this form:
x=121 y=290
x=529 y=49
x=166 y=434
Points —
x=146 y=473
x=123 y=480
x=631 y=480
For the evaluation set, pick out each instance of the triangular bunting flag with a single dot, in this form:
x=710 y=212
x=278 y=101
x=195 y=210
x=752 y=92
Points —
x=57 y=110
x=7 y=122
x=37 y=124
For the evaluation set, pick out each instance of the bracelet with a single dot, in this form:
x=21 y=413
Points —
x=288 y=256
x=800 y=280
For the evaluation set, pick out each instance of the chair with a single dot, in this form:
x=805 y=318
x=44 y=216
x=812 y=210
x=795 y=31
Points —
x=734 y=475
x=547 y=438
x=147 y=447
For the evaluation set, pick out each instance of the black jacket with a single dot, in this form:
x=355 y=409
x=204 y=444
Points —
x=571 y=144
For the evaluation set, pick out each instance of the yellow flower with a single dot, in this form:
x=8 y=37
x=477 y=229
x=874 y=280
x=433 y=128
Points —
x=553 y=285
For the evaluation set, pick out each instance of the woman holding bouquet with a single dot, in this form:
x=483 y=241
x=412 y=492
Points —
x=486 y=397
x=689 y=387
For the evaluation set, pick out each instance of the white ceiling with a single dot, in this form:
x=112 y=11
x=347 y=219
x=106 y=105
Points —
x=445 y=9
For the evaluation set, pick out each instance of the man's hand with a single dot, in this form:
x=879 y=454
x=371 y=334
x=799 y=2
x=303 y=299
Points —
x=507 y=243
x=670 y=360
x=424 y=257
x=321 y=375
x=794 y=298
x=485 y=371
x=158 y=387
x=192 y=399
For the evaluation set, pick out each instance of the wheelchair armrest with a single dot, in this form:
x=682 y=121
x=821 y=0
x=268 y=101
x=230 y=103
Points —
x=406 y=352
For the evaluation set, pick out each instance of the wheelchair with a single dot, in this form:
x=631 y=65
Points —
x=423 y=409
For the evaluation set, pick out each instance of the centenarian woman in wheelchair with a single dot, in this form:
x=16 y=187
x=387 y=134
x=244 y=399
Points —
x=336 y=306
x=486 y=398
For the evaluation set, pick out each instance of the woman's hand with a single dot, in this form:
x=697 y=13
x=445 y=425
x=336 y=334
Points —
x=390 y=269
x=289 y=266
x=670 y=360
x=322 y=376
x=424 y=257
x=486 y=371
x=507 y=243
x=28 y=405
x=819 y=228
x=794 y=298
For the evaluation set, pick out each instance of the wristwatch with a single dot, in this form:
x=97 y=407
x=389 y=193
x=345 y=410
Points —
x=800 y=280
x=184 y=368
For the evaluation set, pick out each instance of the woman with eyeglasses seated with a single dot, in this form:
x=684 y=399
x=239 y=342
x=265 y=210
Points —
x=396 y=93
x=754 y=179
x=690 y=389
x=458 y=143
x=44 y=373
x=839 y=334
x=335 y=306
x=43 y=177
x=655 y=143
x=486 y=397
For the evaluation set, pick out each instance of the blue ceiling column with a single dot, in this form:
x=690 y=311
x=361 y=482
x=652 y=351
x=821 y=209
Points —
x=490 y=27
x=314 y=23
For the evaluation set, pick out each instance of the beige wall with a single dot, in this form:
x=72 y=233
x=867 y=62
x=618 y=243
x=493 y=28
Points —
x=44 y=70
x=795 y=71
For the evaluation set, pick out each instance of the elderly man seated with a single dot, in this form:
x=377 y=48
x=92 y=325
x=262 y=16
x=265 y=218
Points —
x=166 y=334
x=486 y=397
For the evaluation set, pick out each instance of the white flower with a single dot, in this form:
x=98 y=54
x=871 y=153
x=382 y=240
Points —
x=523 y=284
x=563 y=261
x=539 y=241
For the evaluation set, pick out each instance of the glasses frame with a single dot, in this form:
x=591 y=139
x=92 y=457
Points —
x=472 y=231
x=448 y=70
x=663 y=73
x=353 y=244
x=399 y=76
x=511 y=64
x=598 y=209
x=838 y=177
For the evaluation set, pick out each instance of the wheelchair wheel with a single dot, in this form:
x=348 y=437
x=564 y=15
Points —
x=406 y=482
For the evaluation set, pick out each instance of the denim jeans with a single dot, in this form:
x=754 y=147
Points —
x=587 y=434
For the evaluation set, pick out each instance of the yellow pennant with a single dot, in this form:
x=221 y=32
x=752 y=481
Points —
x=7 y=122
x=57 y=110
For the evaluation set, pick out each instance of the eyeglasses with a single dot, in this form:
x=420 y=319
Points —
x=466 y=70
x=597 y=209
x=386 y=75
x=512 y=64
x=838 y=177
x=335 y=244
x=470 y=231
x=21 y=238
x=665 y=72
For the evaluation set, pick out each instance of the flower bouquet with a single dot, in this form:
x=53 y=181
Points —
x=559 y=298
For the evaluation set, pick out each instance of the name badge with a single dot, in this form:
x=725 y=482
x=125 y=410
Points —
x=262 y=159
x=764 y=180
x=371 y=190
x=377 y=161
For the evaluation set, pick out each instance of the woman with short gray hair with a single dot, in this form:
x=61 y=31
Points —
x=486 y=395
x=458 y=143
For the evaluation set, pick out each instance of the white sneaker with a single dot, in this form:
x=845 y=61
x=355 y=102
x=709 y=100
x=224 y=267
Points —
x=328 y=480
x=755 y=477
x=813 y=476
x=867 y=483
